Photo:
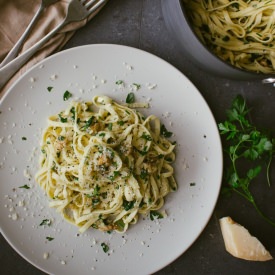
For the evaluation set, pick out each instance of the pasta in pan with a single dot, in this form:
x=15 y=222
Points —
x=102 y=164
x=239 y=32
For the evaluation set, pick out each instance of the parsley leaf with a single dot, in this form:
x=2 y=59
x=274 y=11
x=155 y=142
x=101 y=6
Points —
x=164 y=132
x=88 y=123
x=119 y=82
x=62 y=119
x=155 y=215
x=130 y=98
x=49 y=238
x=127 y=205
x=67 y=95
x=146 y=137
x=45 y=222
x=24 y=186
x=137 y=86
x=105 y=247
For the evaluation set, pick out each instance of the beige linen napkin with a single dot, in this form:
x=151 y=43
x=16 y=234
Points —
x=15 y=16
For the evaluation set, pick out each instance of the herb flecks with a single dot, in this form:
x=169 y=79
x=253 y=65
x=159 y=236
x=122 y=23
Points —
x=45 y=222
x=136 y=86
x=130 y=98
x=155 y=215
x=146 y=137
x=105 y=247
x=49 y=238
x=128 y=205
x=244 y=142
x=164 y=132
x=119 y=82
x=67 y=95
x=24 y=186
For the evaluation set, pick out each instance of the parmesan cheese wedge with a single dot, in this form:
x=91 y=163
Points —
x=239 y=243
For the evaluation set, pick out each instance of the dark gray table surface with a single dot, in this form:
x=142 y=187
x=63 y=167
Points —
x=140 y=24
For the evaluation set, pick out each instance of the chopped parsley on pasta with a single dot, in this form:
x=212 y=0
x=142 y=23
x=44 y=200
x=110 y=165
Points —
x=102 y=164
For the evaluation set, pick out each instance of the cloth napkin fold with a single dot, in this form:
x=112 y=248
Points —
x=15 y=16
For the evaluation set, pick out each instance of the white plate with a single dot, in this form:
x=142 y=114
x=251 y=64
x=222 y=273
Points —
x=87 y=71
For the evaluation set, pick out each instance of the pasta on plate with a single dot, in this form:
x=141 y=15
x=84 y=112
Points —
x=239 y=32
x=103 y=163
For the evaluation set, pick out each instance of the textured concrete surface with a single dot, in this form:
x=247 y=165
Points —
x=140 y=23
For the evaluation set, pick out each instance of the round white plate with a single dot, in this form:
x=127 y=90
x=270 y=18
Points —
x=87 y=71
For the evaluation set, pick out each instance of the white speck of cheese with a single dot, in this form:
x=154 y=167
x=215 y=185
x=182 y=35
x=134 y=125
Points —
x=166 y=114
x=14 y=216
x=128 y=67
x=53 y=77
x=10 y=140
x=151 y=86
x=45 y=256
x=21 y=203
x=27 y=174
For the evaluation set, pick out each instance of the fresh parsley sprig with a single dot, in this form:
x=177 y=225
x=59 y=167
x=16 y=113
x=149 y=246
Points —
x=245 y=142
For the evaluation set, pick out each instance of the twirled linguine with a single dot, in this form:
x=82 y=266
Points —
x=103 y=164
x=240 y=32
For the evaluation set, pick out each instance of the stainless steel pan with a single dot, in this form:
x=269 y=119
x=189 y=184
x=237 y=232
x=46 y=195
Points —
x=181 y=30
